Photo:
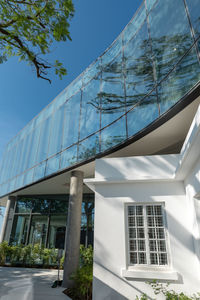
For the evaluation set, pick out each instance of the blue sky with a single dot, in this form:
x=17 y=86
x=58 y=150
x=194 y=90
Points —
x=94 y=27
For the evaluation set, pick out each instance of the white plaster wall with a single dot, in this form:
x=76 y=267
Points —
x=140 y=167
x=110 y=244
x=192 y=186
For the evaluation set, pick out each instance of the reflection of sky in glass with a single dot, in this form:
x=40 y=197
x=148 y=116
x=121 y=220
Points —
x=142 y=57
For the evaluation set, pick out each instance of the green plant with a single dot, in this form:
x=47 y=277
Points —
x=4 y=252
x=15 y=254
x=26 y=254
x=86 y=255
x=169 y=294
x=82 y=278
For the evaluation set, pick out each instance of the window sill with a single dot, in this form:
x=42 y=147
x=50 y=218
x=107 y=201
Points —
x=148 y=274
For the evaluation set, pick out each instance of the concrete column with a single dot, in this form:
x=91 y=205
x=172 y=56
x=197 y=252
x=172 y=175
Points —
x=9 y=204
x=73 y=227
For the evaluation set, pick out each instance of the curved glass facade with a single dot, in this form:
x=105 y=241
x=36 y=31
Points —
x=151 y=65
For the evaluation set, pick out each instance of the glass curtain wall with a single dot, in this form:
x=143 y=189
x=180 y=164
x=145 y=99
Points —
x=38 y=219
x=151 y=65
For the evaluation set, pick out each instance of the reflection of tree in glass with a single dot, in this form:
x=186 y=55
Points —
x=89 y=147
x=112 y=141
x=40 y=205
x=88 y=225
x=24 y=205
x=138 y=72
x=112 y=81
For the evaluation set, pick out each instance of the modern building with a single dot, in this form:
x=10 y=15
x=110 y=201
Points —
x=123 y=125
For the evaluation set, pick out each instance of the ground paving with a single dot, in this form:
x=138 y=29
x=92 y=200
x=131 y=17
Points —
x=29 y=284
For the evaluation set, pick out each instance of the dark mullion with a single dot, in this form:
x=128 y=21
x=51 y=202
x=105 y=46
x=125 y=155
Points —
x=29 y=228
x=48 y=229
x=79 y=125
x=124 y=79
x=192 y=30
x=153 y=61
x=100 y=103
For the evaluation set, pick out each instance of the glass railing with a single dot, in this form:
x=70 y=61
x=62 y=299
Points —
x=151 y=65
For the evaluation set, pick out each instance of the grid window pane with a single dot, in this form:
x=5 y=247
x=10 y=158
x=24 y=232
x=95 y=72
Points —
x=133 y=245
x=132 y=233
x=147 y=234
x=160 y=233
x=140 y=233
x=141 y=245
x=139 y=210
x=131 y=210
x=158 y=210
x=163 y=258
x=159 y=221
x=142 y=258
x=133 y=257
x=161 y=246
x=153 y=259
x=140 y=221
x=152 y=246
x=150 y=210
x=131 y=221
x=152 y=233
x=150 y=221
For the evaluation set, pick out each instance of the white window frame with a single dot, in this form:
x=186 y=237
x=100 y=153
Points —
x=148 y=271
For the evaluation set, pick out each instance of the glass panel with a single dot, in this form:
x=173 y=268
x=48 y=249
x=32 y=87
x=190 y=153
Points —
x=133 y=258
x=60 y=100
x=59 y=206
x=12 y=185
x=89 y=147
x=28 y=177
x=22 y=154
x=112 y=95
x=19 y=181
x=24 y=205
x=19 y=230
x=40 y=205
x=52 y=165
x=55 y=140
x=33 y=147
x=39 y=171
x=26 y=152
x=142 y=115
x=193 y=6
x=150 y=4
x=44 y=141
x=74 y=87
x=135 y=24
x=92 y=71
x=38 y=230
x=68 y=157
x=90 y=108
x=87 y=222
x=112 y=52
x=180 y=81
x=114 y=134
x=57 y=224
x=71 y=121
x=139 y=68
x=170 y=34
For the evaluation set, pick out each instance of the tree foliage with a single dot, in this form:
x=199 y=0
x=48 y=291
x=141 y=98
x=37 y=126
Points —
x=29 y=27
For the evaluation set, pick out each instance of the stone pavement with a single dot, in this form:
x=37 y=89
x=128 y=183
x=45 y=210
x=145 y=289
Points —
x=29 y=284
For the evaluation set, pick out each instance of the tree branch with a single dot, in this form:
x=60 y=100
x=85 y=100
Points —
x=38 y=65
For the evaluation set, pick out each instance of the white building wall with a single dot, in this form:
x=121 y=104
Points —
x=192 y=186
x=110 y=238
x=170 y=179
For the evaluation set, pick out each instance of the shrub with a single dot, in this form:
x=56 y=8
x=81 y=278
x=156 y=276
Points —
x=4 y=252
x=82 y=278
x=169 y=294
